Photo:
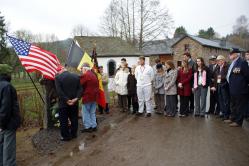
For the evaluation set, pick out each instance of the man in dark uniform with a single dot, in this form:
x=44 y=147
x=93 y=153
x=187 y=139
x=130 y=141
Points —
x=238 y=79
x=69 y=91
x=9 y=117
x=221 y=88
x=214 y=106
x=247 y=59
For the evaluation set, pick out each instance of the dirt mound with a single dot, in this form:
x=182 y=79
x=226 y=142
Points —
x=47 y=141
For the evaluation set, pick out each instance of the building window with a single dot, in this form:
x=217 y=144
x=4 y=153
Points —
x=179 y=63
x=186 y=47
x=111 y=67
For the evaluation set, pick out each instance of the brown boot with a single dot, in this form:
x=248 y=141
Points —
x=234 y=124
x=228 y=121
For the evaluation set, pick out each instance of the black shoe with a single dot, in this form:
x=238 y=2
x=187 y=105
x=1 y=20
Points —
x=139 y=114
x=221 y=116
x=148 y=115
x=74 y=136
x=89 y=130
x=191 y=111
x=159 y=113
x=65 y=139
x=202 y=116
x=133 y=112
x=197 y=115
x=94 y=129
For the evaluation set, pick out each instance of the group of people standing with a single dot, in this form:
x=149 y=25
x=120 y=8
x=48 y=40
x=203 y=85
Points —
x=70 y=89
x=165 y=84
x=228 y=84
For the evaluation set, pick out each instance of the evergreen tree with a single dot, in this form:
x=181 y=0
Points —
x=4 y=51
x=180 y=31
x=208 y=34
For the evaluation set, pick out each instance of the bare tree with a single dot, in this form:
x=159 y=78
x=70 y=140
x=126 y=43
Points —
x=136 y=20
x=81 y=30
x=24 y=34
x=241 y=27
x=154 y=22
x=240 y=34
x=110 y=20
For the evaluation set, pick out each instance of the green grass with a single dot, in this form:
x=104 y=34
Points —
x=31 y=106
x=23 y=83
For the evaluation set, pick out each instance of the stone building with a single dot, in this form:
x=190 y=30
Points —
x=197 y=46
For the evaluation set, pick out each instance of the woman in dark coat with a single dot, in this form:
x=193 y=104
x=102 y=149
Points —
x=132 y=90
x=184 y=87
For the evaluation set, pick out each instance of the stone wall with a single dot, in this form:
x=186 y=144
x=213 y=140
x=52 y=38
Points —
x=196 y=50
x=207 y=52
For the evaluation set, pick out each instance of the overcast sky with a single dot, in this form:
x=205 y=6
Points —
x=60 y=16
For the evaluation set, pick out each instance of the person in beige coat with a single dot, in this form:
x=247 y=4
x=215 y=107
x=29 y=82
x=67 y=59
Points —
x=105 y=81
x=170 y=89
x=120 y=80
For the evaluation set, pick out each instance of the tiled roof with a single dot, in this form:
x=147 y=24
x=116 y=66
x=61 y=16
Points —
x=211 y=43
x=107 y=46
x=159 y=47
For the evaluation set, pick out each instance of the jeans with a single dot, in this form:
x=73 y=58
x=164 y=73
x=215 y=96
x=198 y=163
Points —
x=200 y=100
x=89 y=115
x=8 y=148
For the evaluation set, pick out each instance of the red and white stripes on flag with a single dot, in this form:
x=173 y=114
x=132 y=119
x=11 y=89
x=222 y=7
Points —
x=34 y=58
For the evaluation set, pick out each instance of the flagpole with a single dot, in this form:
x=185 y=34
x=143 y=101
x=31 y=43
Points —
x=69 y=52
x=35 y=87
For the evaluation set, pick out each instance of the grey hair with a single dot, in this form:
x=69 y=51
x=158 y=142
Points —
x=86 y=68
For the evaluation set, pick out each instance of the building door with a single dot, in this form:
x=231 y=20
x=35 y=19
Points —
x=111 y=68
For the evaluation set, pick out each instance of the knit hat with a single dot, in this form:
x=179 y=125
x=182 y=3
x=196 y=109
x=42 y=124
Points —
x=5 y=69
x=220 y=57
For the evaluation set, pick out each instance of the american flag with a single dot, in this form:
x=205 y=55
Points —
x=34 y=58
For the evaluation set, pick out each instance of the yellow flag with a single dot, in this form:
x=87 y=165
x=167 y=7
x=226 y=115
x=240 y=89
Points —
x=85 y=59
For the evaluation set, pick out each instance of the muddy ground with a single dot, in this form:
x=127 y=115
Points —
x=124 y=140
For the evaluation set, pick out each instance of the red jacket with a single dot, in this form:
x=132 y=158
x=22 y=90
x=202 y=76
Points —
x=90 y=85
x=185 y=79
